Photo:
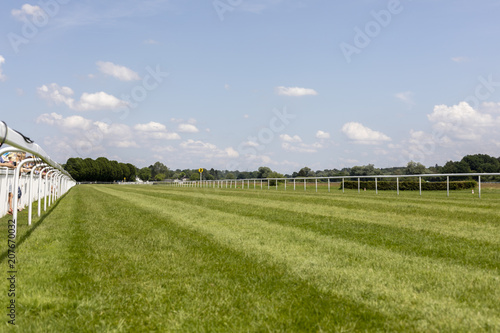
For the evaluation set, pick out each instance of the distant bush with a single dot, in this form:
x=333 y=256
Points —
x=409 y=185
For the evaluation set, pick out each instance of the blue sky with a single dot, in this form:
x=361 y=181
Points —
x=238 y=84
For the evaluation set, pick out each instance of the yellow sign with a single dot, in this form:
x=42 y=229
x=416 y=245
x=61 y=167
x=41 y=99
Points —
x=200 y=170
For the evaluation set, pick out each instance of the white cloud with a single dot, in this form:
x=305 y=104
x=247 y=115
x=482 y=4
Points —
x=198 y=146
x=120 y=72
x=227 y=86
x=187 y=128
x=250 y=144
x=491 y=107
x=99 y=101
x=363 y=135
x=68 y=124
x=322 y=135
x=150 y=127
x=295 y=144
x=459 y=59
x=462 y=121
x=231 y=152
x=27 y=10
x=288 y=138
x=295 y=91
x=96 y=101
x=157 y=131
x=246 y=116
x=2 y=76
x=406 y=97
x=301 y=147
x=163 y=149
x=123 y=144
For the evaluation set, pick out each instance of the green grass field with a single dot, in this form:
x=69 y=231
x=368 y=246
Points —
x=158 y=258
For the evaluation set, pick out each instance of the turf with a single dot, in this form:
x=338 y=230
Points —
x=158 y=258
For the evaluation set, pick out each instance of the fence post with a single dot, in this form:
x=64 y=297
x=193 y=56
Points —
x=397 y=184
x=359 y=186
x=343 y=184
x=316 y=184
x=447 y=186
x=376 y=186
x=328 y=185
x=420 y=185
x=479 y=187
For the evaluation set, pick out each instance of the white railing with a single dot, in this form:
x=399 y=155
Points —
x=46 y=180
x=265 y=183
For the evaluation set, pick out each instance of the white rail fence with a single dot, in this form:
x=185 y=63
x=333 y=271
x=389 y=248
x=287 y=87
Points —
x=45 y=181
x=295 y=183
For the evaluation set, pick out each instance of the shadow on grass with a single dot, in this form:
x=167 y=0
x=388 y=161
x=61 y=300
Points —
x=25 y=236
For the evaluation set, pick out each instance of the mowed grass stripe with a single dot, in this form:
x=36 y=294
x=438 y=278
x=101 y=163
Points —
x=424 y=243
x=416 y=294
x=99 y=263
x=442 y=223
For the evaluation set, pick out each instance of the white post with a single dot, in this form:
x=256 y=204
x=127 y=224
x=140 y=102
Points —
x=305 y=184
x=447 y=186
x=30 y=195
x=397 y=184
x=316 y=181
x=15 y=199
x=328 y=185
x=420 y=185
x=359 y=186
x=376 y=186
x=285 y=184
x=343 y=185
x=479 y=187
x=294 y=184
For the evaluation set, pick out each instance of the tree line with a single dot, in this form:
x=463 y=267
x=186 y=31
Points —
x=100 y=169
x=104 y=170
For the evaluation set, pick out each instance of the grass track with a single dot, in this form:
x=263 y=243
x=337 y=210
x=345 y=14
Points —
x=117 y=258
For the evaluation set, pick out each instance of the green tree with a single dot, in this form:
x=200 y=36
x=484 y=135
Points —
x=230 y=176
x=157 y=168
x=160 y=177
x=482 y=163
x=264 y=172
x=305 y=172
x=414 y=168
x=144 y=174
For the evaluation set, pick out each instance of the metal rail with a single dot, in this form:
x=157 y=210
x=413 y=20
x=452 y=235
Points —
x=245 y=183
x=60 y=182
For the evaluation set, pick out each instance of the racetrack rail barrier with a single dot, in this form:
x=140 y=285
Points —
x=268 y=183
x=46 y=179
